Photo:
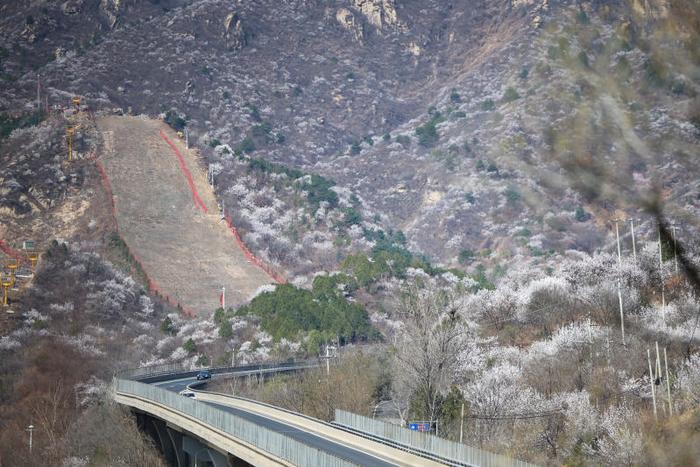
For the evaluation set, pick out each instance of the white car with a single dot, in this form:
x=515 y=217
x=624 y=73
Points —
x=188 y=393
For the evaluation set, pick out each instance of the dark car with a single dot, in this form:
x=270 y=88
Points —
x=203 y=375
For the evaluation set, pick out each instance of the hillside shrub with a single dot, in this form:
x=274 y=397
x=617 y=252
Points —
x=582 y=17
x=167 y=326
x=288 y=311
x=189 y=346
x=261 y=131
x=225 y=329
x=253 y=111
x=488 y=105
x=261 y=165
x=512 y=195
x=175 y=121
x=465 y=256
x=404 y=141
x=583 y=59
x=319 y=190
x=350 y=217
x=8 y=124
x=427 y=133
x=510 y=95
x=580 y=215
x=655 y=72
x=246 y=146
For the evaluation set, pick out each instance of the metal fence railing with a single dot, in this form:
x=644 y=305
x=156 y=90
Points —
x=154 y=370
x=174 y=369
x=267 y=440
x=423 y=443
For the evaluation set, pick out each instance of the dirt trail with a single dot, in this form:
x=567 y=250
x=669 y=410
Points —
x=170 y=222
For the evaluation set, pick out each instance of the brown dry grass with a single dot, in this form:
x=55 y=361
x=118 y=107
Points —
x=187 y=253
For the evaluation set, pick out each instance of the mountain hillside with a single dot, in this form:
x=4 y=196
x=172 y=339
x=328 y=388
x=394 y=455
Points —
x=488 y=207
x=452 y=122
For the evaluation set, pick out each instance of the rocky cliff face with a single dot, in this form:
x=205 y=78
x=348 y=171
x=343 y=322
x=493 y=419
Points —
x=234 y=34
x=379 y=13
x=651 y=8
x=349 y=22
x=377 y=16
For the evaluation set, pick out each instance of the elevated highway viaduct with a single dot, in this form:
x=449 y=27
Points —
x=221 y=430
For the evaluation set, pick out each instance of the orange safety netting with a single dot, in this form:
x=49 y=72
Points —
x=251 y=257
x=5 y=248
x=198 y=202
x=186 y=172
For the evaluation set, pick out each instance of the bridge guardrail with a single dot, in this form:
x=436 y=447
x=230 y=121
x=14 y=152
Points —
x=423 y=443
x=447 y=456
x=267 y=440
x=174 y=370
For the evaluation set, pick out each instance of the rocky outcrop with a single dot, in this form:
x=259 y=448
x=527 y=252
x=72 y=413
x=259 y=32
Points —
x=111 y=9
x=535 y=8
x=72 y=7
x=234 y=34
x=379 y=13
x=37 y=27
x=651 y=8
x=348 y=21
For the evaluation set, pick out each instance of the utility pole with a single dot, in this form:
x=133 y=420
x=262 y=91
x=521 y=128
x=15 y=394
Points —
x=30 y=429
x=634 y=244
x=675 y=254
x=668 y=384
x=590 y=344
x=619 y=282
x=38 y=92
x=328 y=357
x=187 y=138
x=657 y=370
x=661 y=275
x=652 y=381
x=461 y=426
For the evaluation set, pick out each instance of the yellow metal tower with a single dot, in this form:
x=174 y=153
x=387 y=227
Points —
x=70 y=131
x=7 y=282
x=13 y=268
x=33 y=258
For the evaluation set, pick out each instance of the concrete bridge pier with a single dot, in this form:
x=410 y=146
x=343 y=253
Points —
x=182 y=450
x=203 y=455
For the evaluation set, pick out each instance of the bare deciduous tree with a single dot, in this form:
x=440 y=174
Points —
x=428 y=347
